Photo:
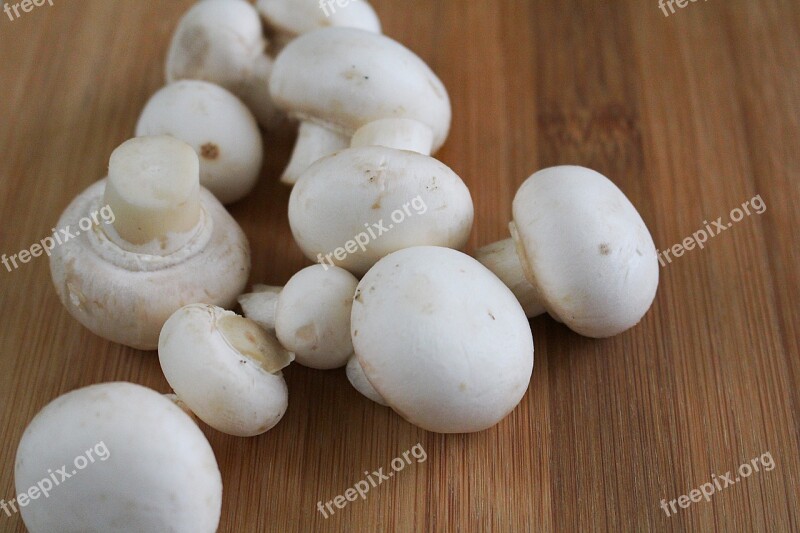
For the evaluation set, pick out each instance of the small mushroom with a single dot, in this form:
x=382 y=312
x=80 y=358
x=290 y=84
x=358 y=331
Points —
x=222 y=41
x=133 y=461
x=336 y=80
x=578 y=250
x=310 y=314
x=169 y=243
x=217 y=125
x=225 y=368
x=359 y=381
x=287 y=19
x=356 y=206
x=441 y=339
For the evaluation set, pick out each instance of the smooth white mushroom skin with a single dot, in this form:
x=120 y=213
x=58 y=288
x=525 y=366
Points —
x=442 y=339
x=368 y=202
x=148 y=467
x=221 y=41
x=310 y=315
x=584 y=249
x=225 y=368
x=359 y=381
x=344 y=78
x=124 y=292
x=313 y=143
x=217 y=125
x=286 y=19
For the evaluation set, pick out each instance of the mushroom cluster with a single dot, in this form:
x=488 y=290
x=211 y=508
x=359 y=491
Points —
x=439 y=337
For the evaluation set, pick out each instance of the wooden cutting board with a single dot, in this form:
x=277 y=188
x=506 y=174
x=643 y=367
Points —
x=691 y=115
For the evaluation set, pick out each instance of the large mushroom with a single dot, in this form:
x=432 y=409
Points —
x=441 y=339
x=225 y=369
x=336 y=80
x=222 y=41
x=169 y=243
x=310 y=314
x=217 y=125
x=353 y=207
x=578 y=250
x=133 y=461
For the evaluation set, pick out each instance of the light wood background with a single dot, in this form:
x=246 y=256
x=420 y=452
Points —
x=690 y=115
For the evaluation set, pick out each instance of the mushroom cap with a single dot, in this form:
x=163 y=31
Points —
x=217 y=41
x=295 y=17
x=342 y=197
x=147 y=466
x=225 y=368
x=313 y=316
x=126 y=297
x=586 y=249
x=344 y=78
x=442 y=339
x=217 y=125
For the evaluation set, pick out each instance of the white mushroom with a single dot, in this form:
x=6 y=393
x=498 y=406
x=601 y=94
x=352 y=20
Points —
x=286 y=19
x=217 y=125
x=579 y=250
x=442 y=339
x=337 y=80
x=359 y=381
x=222 y=41
x=360 y=204
x=225 y=368
x=132 y=461
x=169 y=243
x=310 y=315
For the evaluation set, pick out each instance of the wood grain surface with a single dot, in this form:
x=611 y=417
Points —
x=691 y=115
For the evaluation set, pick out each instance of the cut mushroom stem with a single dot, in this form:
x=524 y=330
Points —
x=358 y=379
x=398 y=133
x=153 y=189
x=502 y=259
x=313 y=143
x=261 y=304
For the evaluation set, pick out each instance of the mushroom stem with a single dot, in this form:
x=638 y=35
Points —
x=502 y=259
x=397 y=133
x=313 y=143
x=358 y=379
x=153 y=189
x=247 y=338
x=260 y=305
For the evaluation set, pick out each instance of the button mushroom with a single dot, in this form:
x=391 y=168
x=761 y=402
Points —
x=217 y=125
x=133 y=461
x=360 y=204
x=579 y=250
x=171 y=243
x=286 y=19
x=337 y=80
x=225 y=368
x=222 y=41
x=441 y=339
x=310 y=314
